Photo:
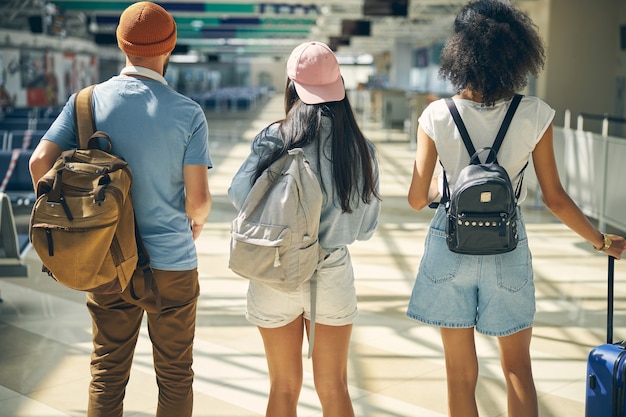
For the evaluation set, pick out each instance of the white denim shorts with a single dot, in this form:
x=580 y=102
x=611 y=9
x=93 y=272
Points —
x=336 y=297
x=494 y=293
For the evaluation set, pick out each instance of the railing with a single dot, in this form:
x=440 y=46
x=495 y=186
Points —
x=605 y=118
x=604 y=194
x=590 y=166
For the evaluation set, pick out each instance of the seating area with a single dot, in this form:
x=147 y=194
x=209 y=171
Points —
x=20 y=139
x=231 y=99
x=13 y=246
x=28 y=118
x=21 y=129
x=16 y=181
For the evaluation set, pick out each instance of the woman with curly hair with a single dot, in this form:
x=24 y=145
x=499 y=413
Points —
x=493 y=49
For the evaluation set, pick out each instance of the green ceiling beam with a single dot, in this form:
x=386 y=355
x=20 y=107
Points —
x=119 y=6
x=264 y=21
x=258 y=33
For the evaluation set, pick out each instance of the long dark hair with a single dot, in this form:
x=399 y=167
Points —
x=493 y=50
x=351 y=155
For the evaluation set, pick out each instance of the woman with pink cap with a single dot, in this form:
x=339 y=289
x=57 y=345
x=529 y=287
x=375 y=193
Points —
x=320 y=120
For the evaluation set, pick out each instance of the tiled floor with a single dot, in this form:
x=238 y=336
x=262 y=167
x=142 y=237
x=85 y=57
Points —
x=396 y=366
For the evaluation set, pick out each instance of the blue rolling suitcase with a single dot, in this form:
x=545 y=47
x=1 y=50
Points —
x=606 y=369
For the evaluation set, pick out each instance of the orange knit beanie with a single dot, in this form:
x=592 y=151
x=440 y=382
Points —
x=146 y=30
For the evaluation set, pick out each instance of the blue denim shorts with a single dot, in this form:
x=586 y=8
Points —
x=494 y=293
x=336 y=304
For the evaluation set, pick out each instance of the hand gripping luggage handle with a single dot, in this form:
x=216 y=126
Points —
x=611 y=285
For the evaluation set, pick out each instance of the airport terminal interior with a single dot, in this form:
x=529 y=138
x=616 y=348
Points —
x=230 y=58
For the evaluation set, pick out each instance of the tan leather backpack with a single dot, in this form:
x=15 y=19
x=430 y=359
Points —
x=82 y=225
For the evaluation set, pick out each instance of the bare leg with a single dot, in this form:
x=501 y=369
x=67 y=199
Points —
x=330 y=369
x=283 y=350
x=461 y=371
x=516 y=364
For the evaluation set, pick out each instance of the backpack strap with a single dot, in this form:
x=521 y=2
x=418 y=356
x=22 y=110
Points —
x=313 y=291
x=461 y=127
x=149 y=282
x=504 y=127
x=506 y=122
x=83 y=116
x=517 y=98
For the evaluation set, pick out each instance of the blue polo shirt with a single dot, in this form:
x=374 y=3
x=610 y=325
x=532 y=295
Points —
x=157 y=131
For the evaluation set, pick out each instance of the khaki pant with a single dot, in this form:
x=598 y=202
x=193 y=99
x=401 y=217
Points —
x=116 y=320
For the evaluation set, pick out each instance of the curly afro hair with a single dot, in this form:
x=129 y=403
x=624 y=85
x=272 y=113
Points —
x=493 y=50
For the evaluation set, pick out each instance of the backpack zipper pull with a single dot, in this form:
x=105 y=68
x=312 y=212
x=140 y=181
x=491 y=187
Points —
x=66 y=208
x=503 y=223
x=276 y=258
x=49 y=239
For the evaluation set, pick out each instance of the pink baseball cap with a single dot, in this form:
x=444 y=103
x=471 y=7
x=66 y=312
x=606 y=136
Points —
x=314 y=69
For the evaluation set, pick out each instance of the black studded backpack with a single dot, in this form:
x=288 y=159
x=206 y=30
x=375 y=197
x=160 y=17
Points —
x=482 y=210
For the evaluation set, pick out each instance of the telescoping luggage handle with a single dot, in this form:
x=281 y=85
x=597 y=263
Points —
x=611 y=285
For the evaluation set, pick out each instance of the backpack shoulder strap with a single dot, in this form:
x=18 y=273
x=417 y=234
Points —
x=517 y=98
x=506 y=122
x=461 y=126
x=501 y=133
x=83 y=116
x=466 y=141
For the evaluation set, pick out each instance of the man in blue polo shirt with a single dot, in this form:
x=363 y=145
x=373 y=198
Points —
x=163 y=136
